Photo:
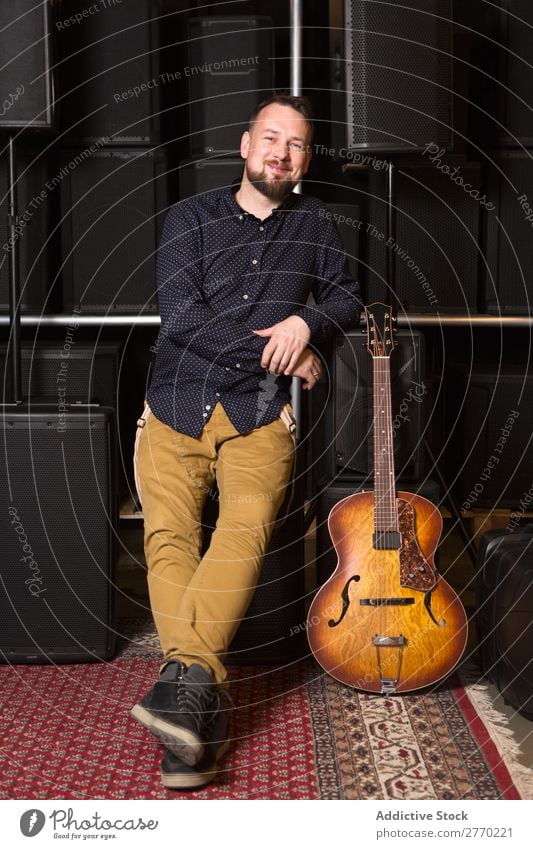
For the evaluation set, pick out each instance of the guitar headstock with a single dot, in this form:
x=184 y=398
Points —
x=381 y=329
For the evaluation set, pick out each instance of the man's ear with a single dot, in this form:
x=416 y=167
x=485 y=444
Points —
x=245 y=144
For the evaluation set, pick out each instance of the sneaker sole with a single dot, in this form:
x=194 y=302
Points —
x=182 y=743
x=193 y=782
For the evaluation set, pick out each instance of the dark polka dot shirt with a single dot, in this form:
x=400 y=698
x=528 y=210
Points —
x=221 y=273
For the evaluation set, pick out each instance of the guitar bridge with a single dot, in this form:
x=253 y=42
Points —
x=387 y=642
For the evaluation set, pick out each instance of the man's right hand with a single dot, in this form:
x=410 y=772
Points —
x=308 y=367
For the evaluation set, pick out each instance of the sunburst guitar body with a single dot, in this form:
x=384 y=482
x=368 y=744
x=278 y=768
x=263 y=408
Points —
x=386 y=621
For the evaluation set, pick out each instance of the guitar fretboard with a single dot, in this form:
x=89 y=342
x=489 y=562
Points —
x=385 y=510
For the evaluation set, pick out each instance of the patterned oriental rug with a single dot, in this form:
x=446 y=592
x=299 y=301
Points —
x=298 y=734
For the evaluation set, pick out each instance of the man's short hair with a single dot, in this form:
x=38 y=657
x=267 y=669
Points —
x=300 y=104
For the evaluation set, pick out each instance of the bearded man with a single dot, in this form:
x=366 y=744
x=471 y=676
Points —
x=235 y=269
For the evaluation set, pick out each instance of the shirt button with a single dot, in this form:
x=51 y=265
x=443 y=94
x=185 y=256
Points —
x=245 y=297
x=217 y=394
x=227 y=368
x=261 y=228
x=208 y=406
x=204 y=415
x=240 y=217
x=254 y=262
x=237 y=365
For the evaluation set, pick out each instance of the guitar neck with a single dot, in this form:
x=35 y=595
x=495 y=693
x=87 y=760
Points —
x=385 y=511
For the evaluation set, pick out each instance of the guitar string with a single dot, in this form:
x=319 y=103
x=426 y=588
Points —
x=377 y=482
x=379 y=488
x=382 y=488
x=387 y=519
x=388 y=466
x=391 y=485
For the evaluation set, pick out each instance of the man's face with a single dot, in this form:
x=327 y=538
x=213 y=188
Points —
x=277 y=150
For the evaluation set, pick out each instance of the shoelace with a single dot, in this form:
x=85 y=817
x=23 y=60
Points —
x=196 y=699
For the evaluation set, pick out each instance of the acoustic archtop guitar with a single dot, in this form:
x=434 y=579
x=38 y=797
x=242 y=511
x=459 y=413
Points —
x=386 y=621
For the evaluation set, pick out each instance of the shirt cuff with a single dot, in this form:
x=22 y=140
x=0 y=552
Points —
x=315 y=321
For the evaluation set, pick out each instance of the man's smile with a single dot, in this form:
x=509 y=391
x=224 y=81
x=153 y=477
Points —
x=277 y=169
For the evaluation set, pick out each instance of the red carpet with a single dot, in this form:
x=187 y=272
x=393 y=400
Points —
x=297 y=735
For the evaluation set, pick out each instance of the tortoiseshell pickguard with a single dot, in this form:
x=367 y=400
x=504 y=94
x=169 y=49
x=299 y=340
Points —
x=415 y=571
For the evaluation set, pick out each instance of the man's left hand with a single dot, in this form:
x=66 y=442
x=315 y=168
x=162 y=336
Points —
x=308 y=368
x=287 y=341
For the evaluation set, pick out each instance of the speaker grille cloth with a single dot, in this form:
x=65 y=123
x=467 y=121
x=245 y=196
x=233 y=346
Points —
x=59 y=486
x=104 y=55
x=115 y=204
x=239 y=55
x=398 y=74
x=25 y=69
x=436 y=246
x=509 y=236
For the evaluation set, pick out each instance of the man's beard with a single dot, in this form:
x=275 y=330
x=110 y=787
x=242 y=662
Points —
x=276 y=189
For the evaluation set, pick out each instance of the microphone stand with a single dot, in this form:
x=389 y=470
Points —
x=15 y=395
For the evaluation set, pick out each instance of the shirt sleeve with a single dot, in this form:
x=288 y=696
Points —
x=186 y=317
x=337 y=295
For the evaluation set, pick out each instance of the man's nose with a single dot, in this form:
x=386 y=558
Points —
x=281 y=149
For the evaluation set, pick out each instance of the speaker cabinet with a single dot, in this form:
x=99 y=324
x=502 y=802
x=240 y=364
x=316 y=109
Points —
x=113 y=205
x=489 y=455
x=110 y=81
x=516 y=73
x=504 y=613
x=435 y=250
x=59 y=520
x=509 y=241
x=392 y=76
x=88 y=373
x=503 y=71
x=33 y=206
x=347 y=444
x=231 y=70
x=198 y=176
x=26 y=88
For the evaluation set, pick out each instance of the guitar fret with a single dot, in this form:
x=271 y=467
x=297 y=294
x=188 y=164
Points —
x=385 y=511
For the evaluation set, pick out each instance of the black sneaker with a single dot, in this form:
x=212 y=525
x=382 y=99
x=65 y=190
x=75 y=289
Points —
x=180 y=709
x=181 y=776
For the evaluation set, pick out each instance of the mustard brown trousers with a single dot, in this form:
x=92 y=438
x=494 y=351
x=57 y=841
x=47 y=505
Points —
x=198 y=602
